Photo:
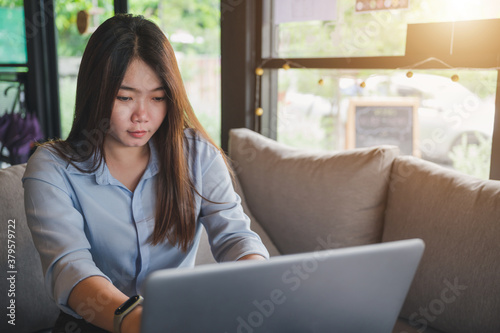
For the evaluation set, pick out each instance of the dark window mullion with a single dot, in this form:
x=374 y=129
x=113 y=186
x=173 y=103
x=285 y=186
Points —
x=495 y=145
x=121 y=6
x=42 y=88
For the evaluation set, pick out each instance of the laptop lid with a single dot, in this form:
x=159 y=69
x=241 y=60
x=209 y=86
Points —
x=355 y=289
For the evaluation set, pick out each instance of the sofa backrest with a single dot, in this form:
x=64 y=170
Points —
x=457 y=286
x=34 y=310
x=312 y=201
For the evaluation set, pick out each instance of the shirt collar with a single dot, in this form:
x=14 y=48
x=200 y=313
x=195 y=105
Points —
x=102 y=174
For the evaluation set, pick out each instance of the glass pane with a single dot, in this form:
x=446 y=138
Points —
x=12 y=33
x=12 y=79
x=357 y=33
x=12 y=100
x=333 y=109
x=70 y=46
x=193 y=29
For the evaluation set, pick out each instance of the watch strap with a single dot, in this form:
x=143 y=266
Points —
x=123 y=310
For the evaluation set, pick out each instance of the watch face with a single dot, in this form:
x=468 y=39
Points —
x=126 y=305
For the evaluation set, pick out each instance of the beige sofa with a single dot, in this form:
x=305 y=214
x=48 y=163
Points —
x=304 y=201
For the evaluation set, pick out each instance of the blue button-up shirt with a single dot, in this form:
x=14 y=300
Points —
x=89 y=224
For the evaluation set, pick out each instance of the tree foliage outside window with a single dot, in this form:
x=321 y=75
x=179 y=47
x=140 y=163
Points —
x=193 y=27
x=12 y=34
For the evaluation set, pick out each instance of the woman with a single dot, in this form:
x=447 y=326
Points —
x=129 y=190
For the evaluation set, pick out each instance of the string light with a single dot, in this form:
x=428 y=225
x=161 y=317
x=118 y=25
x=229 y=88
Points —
x=259 y=72
x=409 y=74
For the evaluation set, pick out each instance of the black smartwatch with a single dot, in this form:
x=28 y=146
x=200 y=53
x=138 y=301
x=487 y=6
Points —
x=124 y=310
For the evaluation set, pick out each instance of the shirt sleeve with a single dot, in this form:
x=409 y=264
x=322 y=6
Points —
x=57 y=228
x=228 y=227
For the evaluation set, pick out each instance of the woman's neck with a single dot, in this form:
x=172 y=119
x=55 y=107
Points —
x=127 y=164
x=126 y=155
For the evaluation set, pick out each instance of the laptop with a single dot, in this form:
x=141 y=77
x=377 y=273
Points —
x=355 y=289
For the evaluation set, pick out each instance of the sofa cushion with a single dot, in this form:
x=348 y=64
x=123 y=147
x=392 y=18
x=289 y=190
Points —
x=456 y=288
x=310 y=201
x=33 y=308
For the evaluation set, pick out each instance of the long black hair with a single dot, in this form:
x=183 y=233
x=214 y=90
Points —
x=110 y=50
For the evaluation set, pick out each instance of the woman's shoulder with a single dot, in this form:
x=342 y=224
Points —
x=46 y=161
x=47 y=153
x=201 y=150
x=198 y=142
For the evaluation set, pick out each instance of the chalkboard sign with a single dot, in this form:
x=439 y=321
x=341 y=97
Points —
x=383 y=122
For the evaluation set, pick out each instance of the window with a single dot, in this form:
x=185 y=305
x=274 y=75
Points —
x=13 y=60
x=371 y=30
x=356 y=55
x=454 y=119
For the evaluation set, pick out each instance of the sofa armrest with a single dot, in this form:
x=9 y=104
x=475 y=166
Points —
x=456 y=285
x=33 y=309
